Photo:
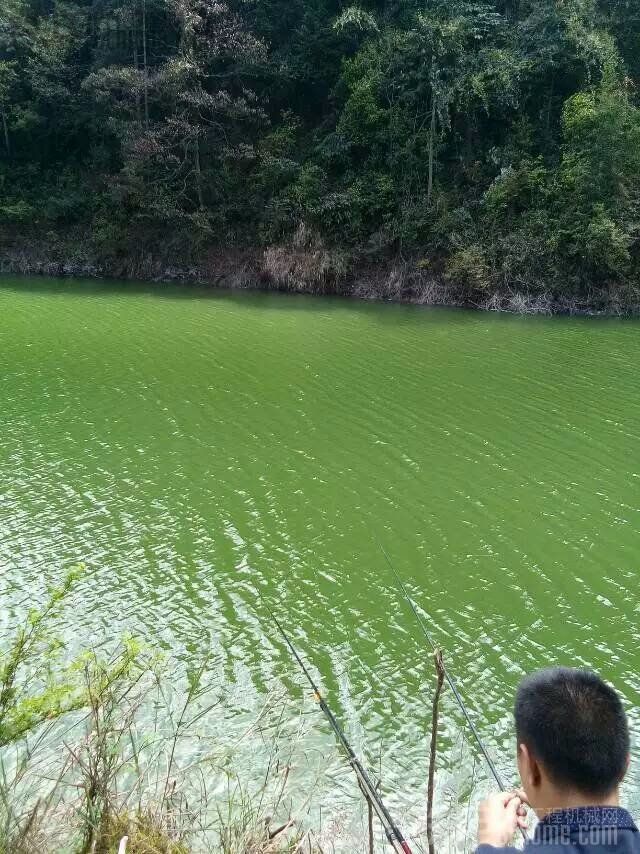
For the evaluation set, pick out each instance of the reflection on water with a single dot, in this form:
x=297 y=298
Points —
x=195 y=448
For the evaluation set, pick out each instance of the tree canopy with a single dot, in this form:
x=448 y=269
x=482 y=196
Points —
x=498 y=141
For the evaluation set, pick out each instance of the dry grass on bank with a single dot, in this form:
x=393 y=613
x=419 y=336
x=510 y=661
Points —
x=305 y=264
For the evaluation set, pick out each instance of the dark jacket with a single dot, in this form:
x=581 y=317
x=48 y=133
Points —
x=592 y=830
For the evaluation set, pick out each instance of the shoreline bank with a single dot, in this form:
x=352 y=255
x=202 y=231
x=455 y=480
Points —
x=315 y=271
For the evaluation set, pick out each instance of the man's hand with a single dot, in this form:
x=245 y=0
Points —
x=499 y=817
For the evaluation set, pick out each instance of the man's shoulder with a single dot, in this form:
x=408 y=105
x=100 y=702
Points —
x=619 y=841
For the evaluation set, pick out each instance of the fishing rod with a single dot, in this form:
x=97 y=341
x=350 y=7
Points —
x=450 y=681
x=391 y=829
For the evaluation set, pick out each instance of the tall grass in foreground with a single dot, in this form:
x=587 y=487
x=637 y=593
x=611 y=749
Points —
x=121 y=751
x=115 y=751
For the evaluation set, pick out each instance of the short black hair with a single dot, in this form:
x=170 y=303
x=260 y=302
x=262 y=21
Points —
x=575 y=726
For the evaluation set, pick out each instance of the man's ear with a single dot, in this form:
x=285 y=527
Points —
x=529 y=768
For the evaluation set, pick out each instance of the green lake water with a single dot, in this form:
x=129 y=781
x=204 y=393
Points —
x=196 y=447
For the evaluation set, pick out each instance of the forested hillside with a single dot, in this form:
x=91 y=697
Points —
x=494 y=146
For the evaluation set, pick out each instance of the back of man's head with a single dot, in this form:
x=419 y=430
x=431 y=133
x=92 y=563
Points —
x=574 y=725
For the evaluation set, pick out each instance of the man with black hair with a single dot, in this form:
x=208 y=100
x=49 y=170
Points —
x=573 y=752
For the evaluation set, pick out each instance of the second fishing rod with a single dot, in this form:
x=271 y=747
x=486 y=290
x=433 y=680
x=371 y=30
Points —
x=454 y=688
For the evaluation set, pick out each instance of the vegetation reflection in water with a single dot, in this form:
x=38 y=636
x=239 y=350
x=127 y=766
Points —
x=191 y=447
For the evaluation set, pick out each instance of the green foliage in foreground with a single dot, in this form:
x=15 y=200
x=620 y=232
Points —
x=496 y=140
x=31 y=690
x=89 y=753
x=36 y=688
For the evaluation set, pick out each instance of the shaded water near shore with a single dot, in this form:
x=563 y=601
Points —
x=196 y=447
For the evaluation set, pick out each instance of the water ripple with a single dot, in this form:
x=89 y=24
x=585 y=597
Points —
x=200 y=451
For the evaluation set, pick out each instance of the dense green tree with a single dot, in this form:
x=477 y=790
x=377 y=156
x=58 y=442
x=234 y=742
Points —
x=180 y=119
x=496 y=141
